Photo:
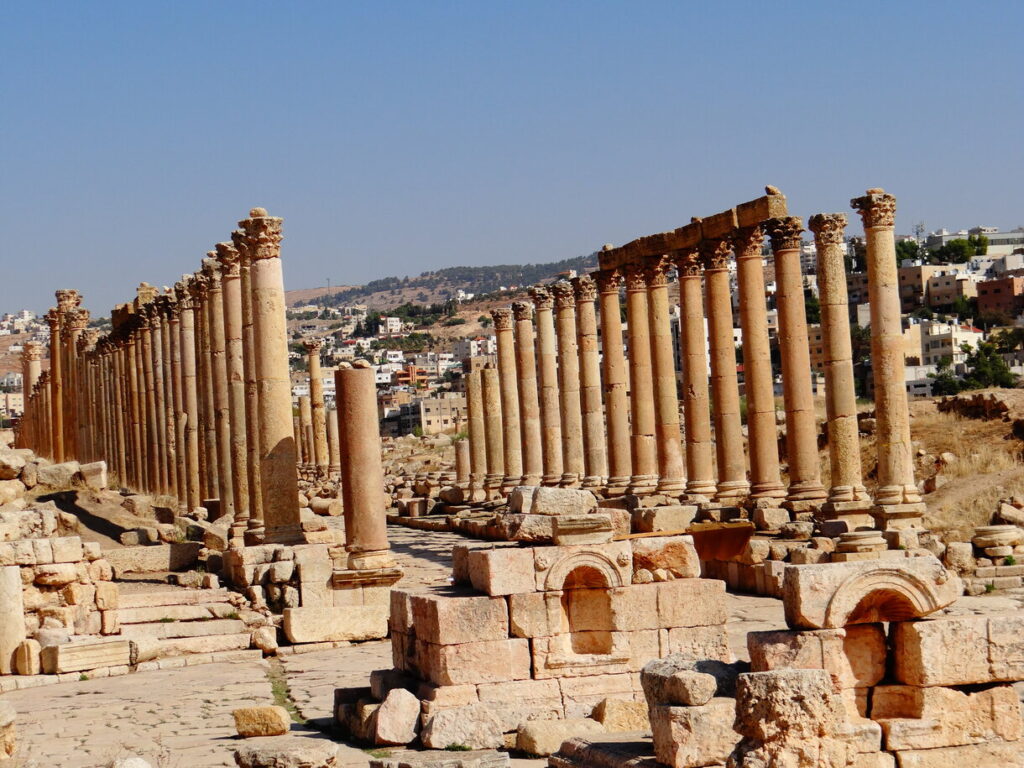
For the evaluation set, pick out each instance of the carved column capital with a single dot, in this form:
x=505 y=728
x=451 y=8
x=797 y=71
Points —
x=714 y=254
x=52 y=318
x=608 y=280
x=67 y=299
x=32 y=350
x=522 y=310
x=78 y=319
x=565 y=296
x=747 y=242
x=877 y=208
x=585 y=288
x=312 y=345
x=211 y=272
x=145 y=293
x=785 y=232
x=542 y=298
x=828 y=228
x=262 y=234
x=688 y=262
x=635 y=278
x=502 y=319
x=657 y=274
x=229 y=260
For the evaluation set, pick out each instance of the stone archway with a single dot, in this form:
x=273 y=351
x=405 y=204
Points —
x=882 y=595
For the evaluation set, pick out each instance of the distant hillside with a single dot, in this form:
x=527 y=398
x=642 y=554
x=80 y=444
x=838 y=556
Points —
x=442 y=284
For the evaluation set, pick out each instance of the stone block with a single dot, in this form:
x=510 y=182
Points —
x=521 y=701
x=1002 y=754
x=56 y=575
x=688 y=737
x=94 y=475
x=1006 y=647
x=685 y=681
x=323 y=624
x=26 y=658
x=531 y=614
x=8 y=735
x=855 y=656
x=569 y=530
x=451 y=620
x=11 y=465
x=691 y=603
x=536 y=529
x=398 y=718
x=581 y=695
x=953 y=651
x=544 y=737
x=674 y=518
x=697 y=642
x=83 y=655
x=675 y=554
x=622 y=715
x=502 y=571
x=59 y=476
x=473 y=726
x=287 y=752
x=400 y=611
x=261 y=721
x=107 y=596
x=79 y=594
x=487 y=661
x=561 y=501
x=787 y=705
x=587 y=566
x=12 y=616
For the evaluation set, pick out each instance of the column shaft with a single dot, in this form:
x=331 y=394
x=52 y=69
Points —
x=477 y=435
x=530 y=430
x=512 y=443
x=616 y=390
x=671 y=476
x=643 y=445
x=547 y=380
x=573 y=468
x=595 y=455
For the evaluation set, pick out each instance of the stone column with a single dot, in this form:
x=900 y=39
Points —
x=573 y=468
x=231 y=295
x=300 y=439
x=696 y=399
x=547 y=379
x=31 y=369
x=493 y=431
x=846 y=494
x=671 y=476
x=805 y=489
x=67 y=302
x=316 y=398
x=477 y=436
x=159 y=399
x=133 y=407
x=462 y=463
x=333 y=444
x=512 y=443
x=759 y=381
x=77 y=320
x=643 y=446
x=256 y=526
x=121 y=407
x=277 y=441
x=53 y=319
x=190 y=393
x=204 y=371
x=221 y=400
x=305 y=432
x=530 y=431
x=177 y=400
x=898 y=501
x=616 y=393
x=365 y=502
x=732 y=470
x=148 y=395
x=595 y=455
x=164 y=303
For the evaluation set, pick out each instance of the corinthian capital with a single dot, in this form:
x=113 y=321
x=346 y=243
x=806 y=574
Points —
x=262 y=234
x=312 y=345
x=78 y=319
x=522 y=310
x=877 y=208
x=228 y=259
x=747 y=242
x=502 y=319
x=715 y=253
x=657 y=274
x=608 y=280
x=542 y=298
x=565 y=296
x=211 y=271
x=52 y=317
x=688 y=262
x=585 y=288
x=32 y=350
x=785 y=232
x=67 y=299
x=828 y=228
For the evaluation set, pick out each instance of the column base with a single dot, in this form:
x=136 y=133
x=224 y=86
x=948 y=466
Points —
x=551 y=481
x=254 y=537
x=642 y=485
x=530 y=480
x=674 y=486
x=569 y=480
x=895 y=495
x=803 y=506
x=838 y=517
x=898 y=517
x=616 y=486
x=285 y=534
x=772 y=490
x=732 y=490
x=374 y=559
x=508 y=483
x=697 y=488
x=592 y=481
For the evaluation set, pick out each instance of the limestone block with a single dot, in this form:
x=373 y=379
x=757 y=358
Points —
x=622 y=715
x=95 y=475
x=1002 y=754
x=434 y=698
x=544 y=737
x=687 y=737
x=107 y=596
x=625 y=608
x=487 y=661
x=855 y=656
x=561 y=501
x=833 y=595
x=26 y=658
x=10 y=490
x=530 y=616
x=697 y=642
x=675 y=554
x=952 y=651
x=474 y=726
x=536 y=529
x=929 y=718
x=691 y=603
x=12 y=618
x=520 y=701
x=397 y=718
x=42 y=551
x=322 y=623
x=281 y=571
x=7 y=730
x=400 y=611
x=520 y=499
x=1006 y=647
x=788 y=704
x=581 y=695
x=502 y=571
x=594 y=528
x=287 y=752
x=451 y=620
x=83 y=655
x=674 y=517
x=110 y=622
x=587 y=566
x=11 y=465
x=58 y=476
x=79 y=594
x=684 y=681
x=261 y=721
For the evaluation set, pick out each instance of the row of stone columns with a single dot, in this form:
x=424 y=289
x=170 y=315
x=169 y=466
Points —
x=555 y=412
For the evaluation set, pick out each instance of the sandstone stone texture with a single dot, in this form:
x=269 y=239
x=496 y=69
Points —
x=474 y=726
x=397 y=718
x=544 y=737
x=287 y=752
x=688 y=737
x=261 y=721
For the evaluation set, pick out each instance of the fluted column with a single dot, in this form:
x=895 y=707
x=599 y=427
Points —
x=277 y=441
x=512 y=443
x=616 y=391
x=759 y=382
x=53 y=319
x=643 y=443
x=316 y=401
x=477 y=436
x=547 y=379
x=231 y=297
x=595 y=455
x=530 y=431
x=732 y=470
x=252 y=436
x=805 y=489
x=573 y=468
x=668 y=438
x=493 y=431
x=897 y=497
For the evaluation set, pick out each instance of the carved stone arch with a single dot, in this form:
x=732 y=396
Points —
x=596 y=561
x=883 y=595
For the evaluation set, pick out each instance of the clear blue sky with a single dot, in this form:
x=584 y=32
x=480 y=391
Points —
x=397 y=137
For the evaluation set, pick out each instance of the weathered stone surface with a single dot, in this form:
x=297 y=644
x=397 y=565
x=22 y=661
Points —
x=562 y=501
x=1001 y=754
x=833 y=595
x=26 y=658
x=691 y=603
x=487 y=661
x=287 y=752
x=953 y=651
x=856 y=655
x=11 y=465
x=544 y=737
x=320 y=624
x=83 y=655
x=261 y=721
x=58 y=475
x=536 y=529
x=789 y=704
x=687 y=737
x=669 y=518
x=56 y=574
x=502 y=571
x=622 y=715
x=685 y=681
x=462 y=759
x=397 y=718
x=593 y=528
x=474 y=726
x=450 y=620
x=675 y=554
x=95 y=475
x=7 y=730
x=12 y=616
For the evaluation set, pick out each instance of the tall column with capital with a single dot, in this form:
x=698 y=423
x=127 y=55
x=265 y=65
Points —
x=164 y=304
x=279 y=482
x=643 y=443
x=700 y=476
x=573 y=468
x=669 y=440
x=204 y=380
x=805 y=489
x=54 y=320
x=31 y=369
x=190 y=392
x=177 y=399
x=898 y=501
x=758 y=379
x=121 y=424
x=252 y=437
x=847 y=493
x=148 y=393
x=77 y=320
x=547 y=379
x=67 y=302
x=616 y=391
x=136 y=403
x=512 y=443
x=530 y=431
x=316 y=400
x=477 y=436
x=231 y=296
x=221 y=399
x=159 y=422
x=732 y=469
x=493 y=431
x=595 y=454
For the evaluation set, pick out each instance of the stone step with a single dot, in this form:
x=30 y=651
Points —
x=165 y=614
x=185 y=646
x=162 y=630
x=173 y=597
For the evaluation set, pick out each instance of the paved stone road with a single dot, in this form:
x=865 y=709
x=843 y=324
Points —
x=181 y=718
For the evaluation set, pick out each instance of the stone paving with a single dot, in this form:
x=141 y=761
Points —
x=181 y=718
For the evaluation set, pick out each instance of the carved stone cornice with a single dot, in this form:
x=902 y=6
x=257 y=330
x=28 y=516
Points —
x=229 y=260
x=502 y=319
x=542 y=298
x=312 y=345
x=565 y=296
x=522 y=310
x=747 y=242
x=828 y=228
x=877 y=208
x=262 y=235
x=67 y=299
x=585 y=288
x=608 y=280
x=785 y=233
x=715 y=253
